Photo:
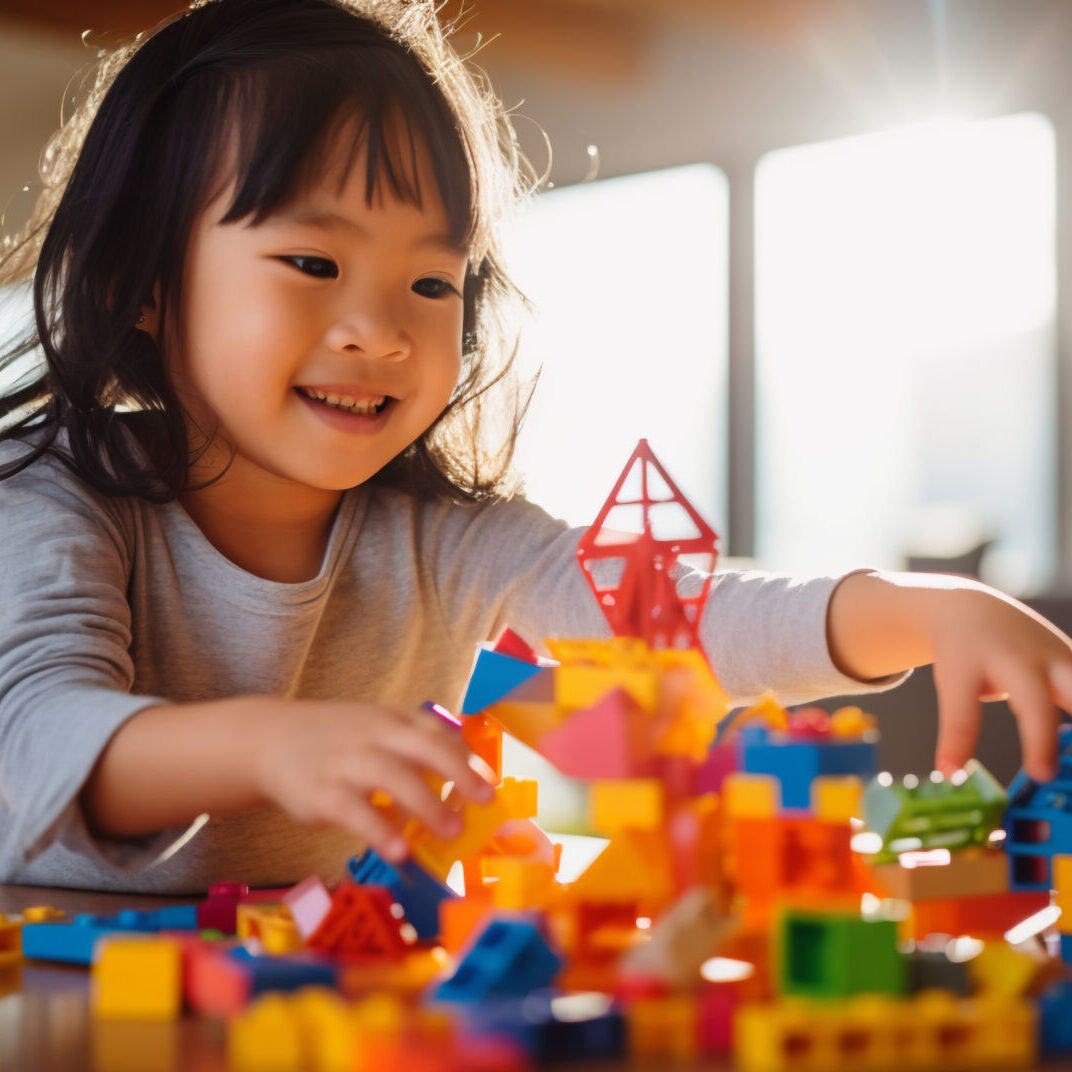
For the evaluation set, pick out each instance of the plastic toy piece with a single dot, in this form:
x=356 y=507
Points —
x=643 y=599
x=220 y=910
x=1055 y=1019
x=509 y=643
x=985 y=915
x=509 y=956
x=361 y=924
x=837 y=798
x=410 y=885
x=934 y=813
x=1013 y=971
x=633 y=804
x=479 y=822
x=267 y=1035
x=797 y=760
x=607 y=740
x=932 y=969
x=494 y=676
x=827 y=954
x=965 y=873
x=309 y=902
x=1038 y=822
x=484 y=738
x=71 y=943
x=751 y=796
x=663 y=1027
x=635 y=867
x=10 y=941
x=408 y=977
x=137 y=979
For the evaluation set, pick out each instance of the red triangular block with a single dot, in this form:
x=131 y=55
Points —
x=360 y=924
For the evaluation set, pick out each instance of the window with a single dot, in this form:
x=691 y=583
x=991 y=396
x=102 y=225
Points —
x=905 y=349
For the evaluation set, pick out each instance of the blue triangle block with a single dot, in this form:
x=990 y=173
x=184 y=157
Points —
x=493 y=677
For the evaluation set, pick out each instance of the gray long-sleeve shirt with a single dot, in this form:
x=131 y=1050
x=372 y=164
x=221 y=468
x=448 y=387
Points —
x=109 y=605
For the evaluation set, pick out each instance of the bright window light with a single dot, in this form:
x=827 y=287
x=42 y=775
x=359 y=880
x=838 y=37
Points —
x=628 y=279
x=905 y=336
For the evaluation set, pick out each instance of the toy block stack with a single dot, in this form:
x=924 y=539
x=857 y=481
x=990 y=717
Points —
x=763 y=895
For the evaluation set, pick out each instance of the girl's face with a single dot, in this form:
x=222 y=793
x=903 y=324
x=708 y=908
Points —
x=324 y=340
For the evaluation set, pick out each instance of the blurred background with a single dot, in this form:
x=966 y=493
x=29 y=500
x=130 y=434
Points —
x=811 y=249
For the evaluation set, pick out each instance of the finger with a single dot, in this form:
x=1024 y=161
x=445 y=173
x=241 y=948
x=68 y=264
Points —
x=440 y=749
x=410 y=793
x=958 y=718
x=1033 y=706
x=1060 y=675
x=353 y=812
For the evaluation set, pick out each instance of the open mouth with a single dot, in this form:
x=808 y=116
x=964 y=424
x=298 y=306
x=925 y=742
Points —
x=362 y=407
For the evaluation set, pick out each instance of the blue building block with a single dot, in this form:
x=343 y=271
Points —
x=509 y=956
x=418 y=892
x=1066 y=948
x=494 y=675
x=797 y=762
x=1038 y=822
x=553 y=1027
x=1055 y=1019
x=71 y=942
x=268 y=973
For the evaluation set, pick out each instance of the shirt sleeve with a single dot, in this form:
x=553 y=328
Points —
x=512 y=564
x=65 y=665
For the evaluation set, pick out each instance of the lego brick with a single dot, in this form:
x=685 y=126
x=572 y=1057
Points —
x=71 y=943
x=935 y=812
x=751 y=796
x=494 y=676
x=510 y=955
x=137 y=978
x=694 y=837
x=826 y=954
x=309 y=902
x=269 y=973
x=965 y=873
x=479 y=823
x=634 y=867
x=579 y=686
x=712 y=771
x=990 y=914
x=363 y=923
x=484 y=738
x=933 y=970
x=608 y=739
x=418 y=892
x=266 y=1037
x=408 y=977
x=1055 y=1019
x=665 y=1027
x=1011 y=971
x=796 y=763
x=626 y=804
x=837 y=798
x=218 y=912
x=10 y=941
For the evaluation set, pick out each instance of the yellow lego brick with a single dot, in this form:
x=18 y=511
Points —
x=250 y=919
x=519 y=884
x=852 y=722
x=626 y=804
x=837 y=798
x=768 y=710
x=42 y=914
x=663 y=1027
x=634 y=867
x=1000 y=969
x=750 y=796
x=137 y=978
x=613 y=651
x=267 y=1037
x=578 y=687
x=520 y=795
x=479 y=824
x=326 y=1029
x=1062 y=884
x=407 y=977
x=1006 y=1032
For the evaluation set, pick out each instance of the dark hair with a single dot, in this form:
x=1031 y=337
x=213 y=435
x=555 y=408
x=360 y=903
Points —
x=126 y=176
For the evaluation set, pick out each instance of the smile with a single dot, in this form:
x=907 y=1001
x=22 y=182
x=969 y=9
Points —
x=364 y=407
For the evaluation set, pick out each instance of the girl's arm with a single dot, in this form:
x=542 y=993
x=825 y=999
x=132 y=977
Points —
x=984 y=646
x=318 y=760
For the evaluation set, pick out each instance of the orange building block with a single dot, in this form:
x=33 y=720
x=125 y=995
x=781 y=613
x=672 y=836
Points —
x=988 y=914
x=626 y=804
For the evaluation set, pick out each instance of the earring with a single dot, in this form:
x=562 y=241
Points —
x=140 y=320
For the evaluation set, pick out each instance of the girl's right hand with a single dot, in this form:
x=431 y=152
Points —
x=322 y=760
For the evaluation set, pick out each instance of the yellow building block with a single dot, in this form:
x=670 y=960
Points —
x=520 y=795
x=42 y=914
x=251 y=919
x=326 y=1029
x=1062 y=884
x=519 y=884
x=479 y=824
x=852 y=722
x=407 y=977
x=635 y=867
x=137 y=978
x=267 y=1037
x=768 y=710
x=837 y=798
x=626 y=804
x=577 y=687
x=750 y=796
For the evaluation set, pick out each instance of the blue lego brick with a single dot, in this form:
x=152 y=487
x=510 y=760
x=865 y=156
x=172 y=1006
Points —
x=1055 y=1019
x=494 y=675
x=177 y=918
x=553 y=1027
x=71 y=943
x=1066 y=948
x=797 y=762
x=268 y=973
x=1038 y=822
x=509 y=956
x=418 y=892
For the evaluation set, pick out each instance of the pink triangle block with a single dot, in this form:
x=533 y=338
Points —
x=605 y=740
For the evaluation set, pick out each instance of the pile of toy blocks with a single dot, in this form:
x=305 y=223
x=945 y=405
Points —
x=765 y=897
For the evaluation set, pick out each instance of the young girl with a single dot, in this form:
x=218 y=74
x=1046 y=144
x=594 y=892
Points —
x=249 y=516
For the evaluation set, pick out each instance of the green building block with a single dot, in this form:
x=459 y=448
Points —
x=933 y=813
x=833 y=954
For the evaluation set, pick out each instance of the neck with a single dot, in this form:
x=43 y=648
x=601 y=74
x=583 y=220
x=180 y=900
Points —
x=271 y=528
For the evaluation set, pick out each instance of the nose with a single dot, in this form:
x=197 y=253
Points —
x=369 y=328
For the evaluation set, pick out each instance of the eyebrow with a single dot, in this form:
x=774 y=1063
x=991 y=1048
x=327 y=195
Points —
x=329 y=220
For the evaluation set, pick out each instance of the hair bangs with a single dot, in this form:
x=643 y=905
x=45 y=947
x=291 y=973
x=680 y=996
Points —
x=288 y=131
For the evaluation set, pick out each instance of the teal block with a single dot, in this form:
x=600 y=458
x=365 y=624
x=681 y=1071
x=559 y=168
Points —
x=828 y=954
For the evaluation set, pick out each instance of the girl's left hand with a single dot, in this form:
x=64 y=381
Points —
x=984 y=646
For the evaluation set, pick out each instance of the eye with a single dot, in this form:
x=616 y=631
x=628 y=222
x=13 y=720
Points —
x=431 y=287
x=317 y=267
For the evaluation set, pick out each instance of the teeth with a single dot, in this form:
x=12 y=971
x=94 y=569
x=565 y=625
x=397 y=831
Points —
x=363 y=406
